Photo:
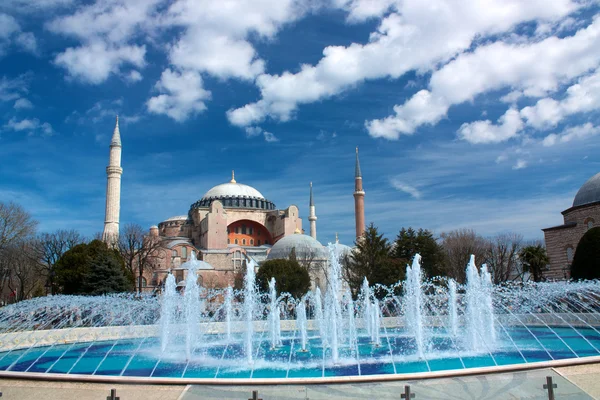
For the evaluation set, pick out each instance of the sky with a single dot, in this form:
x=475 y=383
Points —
x=468 y=114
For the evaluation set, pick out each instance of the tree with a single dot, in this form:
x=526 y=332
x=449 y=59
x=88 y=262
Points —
x=289 y=276
x=16 y=224
x=19 y=263
x=106 y=275
x=534 y=260
x=502 y=256
x=586 y=263
x=137 y=250
x=410 y=242
x=458 y=246
x=52 y=246
x=75 y=270
x=371 y=259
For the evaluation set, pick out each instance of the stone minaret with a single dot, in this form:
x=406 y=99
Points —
x=113 y=189
x=312 y=217
x=359 y=200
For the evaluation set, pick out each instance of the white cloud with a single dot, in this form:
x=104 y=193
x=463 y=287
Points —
x=29 y=125
x=411 y=190
x=478 y=132
x=95 y=62
x=571 y=133
x=13 y=88
x=361 y=10
x=28 y=6
x=182 y=95
x=584 y=96
x=134 y=76
x=10 y=32
x=22 y=104
x=8 y=26
x=269 y=137
x=419 y=36
x=27 y=42
x=253 y=131
x=520 y=164
x=106 y=29
x=535 y=69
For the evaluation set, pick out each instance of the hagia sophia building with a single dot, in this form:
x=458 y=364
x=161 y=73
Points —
x=232 y=226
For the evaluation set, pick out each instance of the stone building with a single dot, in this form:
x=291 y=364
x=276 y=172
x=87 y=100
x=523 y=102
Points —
x=230 y=226
x=561 y=241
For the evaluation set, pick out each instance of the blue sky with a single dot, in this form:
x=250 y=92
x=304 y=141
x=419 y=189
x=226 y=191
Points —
x=478 y=115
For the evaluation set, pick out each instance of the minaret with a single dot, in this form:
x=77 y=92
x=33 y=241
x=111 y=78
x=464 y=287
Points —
x=359 y=200
x=113 y=189
x=312 y=217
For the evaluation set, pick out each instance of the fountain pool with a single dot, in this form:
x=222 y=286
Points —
x=415 y=326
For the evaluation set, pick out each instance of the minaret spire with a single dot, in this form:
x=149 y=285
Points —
x=359 y=200
x=110 y=235
x=312 y=217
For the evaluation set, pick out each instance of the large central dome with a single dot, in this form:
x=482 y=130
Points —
x=234 y=195
x=589 y=192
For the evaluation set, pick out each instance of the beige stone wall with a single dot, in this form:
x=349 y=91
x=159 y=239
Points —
x=559 y=240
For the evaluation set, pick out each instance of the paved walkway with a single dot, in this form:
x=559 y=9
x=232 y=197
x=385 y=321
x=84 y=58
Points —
x=580 y=382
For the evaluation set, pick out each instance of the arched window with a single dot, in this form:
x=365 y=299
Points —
x=143 y=280
x=184 y=252
x=243 y=242
x=228 y=241
x=236 y=260
x=175 y=253
x=589 y=223
x=236 y=241
x=569 y=254
x=251 y=242
x=243 y=229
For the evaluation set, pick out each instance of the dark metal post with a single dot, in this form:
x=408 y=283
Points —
x=550 y=387
x=113 y=395
x=407 y=394
x=255 y=395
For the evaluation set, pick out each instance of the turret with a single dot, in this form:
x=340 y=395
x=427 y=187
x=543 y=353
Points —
x=312 y=217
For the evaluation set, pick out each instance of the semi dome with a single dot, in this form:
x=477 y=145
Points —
x=305 y=246
x=589 y=192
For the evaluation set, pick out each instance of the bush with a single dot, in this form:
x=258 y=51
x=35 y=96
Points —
x=289 y=277
x=586 y=263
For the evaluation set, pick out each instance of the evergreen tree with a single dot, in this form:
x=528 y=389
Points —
x=586 y=263
x=289 y=276
x=410 y=242
x=92 y=268
x=371 y=259
x=534 y=261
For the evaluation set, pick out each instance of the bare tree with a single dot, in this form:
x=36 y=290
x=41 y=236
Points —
x=459 y=245
x=51 y=247
x=16 y=224
x=23 y=278
x=138 y=249
x=503 y=256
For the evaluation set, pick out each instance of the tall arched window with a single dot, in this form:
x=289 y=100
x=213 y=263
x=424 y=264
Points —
x=144 y=283
x=236 y=241
x=243 y=242
x=184 y=252
x=174 y=253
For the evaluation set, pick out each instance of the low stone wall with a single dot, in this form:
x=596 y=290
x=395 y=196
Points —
x=26 y=339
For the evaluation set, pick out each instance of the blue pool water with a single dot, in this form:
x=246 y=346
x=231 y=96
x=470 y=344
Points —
x=221 y=359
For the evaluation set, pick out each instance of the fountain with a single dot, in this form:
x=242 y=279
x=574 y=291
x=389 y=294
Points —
x=417 y=325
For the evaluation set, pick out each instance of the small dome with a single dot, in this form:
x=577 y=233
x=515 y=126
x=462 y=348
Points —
x=341 y=250
x=589 y=192
x=306 y=248
x=230 y=189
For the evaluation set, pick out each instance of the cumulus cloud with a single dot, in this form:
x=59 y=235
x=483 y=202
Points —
x=10 y=33
x=182 y=95
x=95 y=62
x=253 y=131
x=418 y=36
x=134 y=76
x=584 y=96
x=535 y=69
x=571 y=133
x=520 y=164
x=30 y=126
x=478 y=132
x=22 y=104
x=14 y=88
x=105 y=28
x=403 y=187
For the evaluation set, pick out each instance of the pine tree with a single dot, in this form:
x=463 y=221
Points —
x=410 y=242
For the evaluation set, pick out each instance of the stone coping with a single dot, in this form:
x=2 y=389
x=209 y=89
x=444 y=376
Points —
x=38 y=338
x=37 y=376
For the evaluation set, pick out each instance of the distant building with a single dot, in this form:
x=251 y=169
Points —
x=562 y=240
x=232 y=225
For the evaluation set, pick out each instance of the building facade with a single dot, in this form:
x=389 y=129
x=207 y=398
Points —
x=561 y=241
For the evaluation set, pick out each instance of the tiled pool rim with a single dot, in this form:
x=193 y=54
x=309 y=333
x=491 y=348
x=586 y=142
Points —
x=38 y=376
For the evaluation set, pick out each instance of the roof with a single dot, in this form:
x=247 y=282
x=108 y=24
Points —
x=589 y=192
x=177 y=218
x=231 y=189
x=304 y=245
x=563 y=226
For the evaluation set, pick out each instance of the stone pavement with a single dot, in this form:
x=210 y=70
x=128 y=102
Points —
x=578 y=382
